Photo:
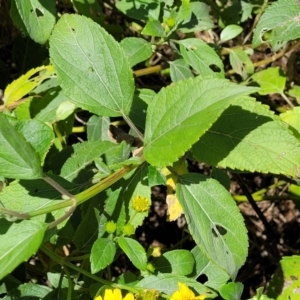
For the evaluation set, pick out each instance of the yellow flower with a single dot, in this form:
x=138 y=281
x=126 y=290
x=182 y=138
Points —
x=114 y=295
x=140 y=203
x=184 y=293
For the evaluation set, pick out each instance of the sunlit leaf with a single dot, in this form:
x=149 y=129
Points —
x=91 y=66
x=280 y=21
x=134 y=251
x=214 y=221
x=18 y=242
x=247 y=136
x=26 y=83
x=38 y=16
x=18 y=158
x=102 y=254
x=179 y=114
x=136 y=49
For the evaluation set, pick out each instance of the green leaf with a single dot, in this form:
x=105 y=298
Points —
x=140 y=9
x=292 y=117
x=39 y=17
x=29 y=195
x=136 y=49
x=18 y=241
x=168 y=284
x=179 y=114
x=216 y=276
x=97 y=128
x=16 y=18
x=56 y=281
x=26 y=83
x=247 y=10
x=42 y=108
x=136 y=185
x=84 y=154
x=42 y=138
x=64 y=110
x=201 y=57
x=286 y=280
x=9 y=283
x=91 y=66
x=102 y=254
x=271 y=80
x=241 y=63
x=214 y=221
x=280 y=20
x=139 y=107
x=232 y=291
x=146 y=95
x=90 y=9
x=230 y=32
x=247 y=136
x=117 y=154
x=90 y=227
x=18 y=158
x=221 y=176
x=29 y=291
x=155 y=176
x=179 y=262
x=295 y=92
x=134 y=251
x=180 y=70
x=61 y=293
x=154 y=28
x=200 y=19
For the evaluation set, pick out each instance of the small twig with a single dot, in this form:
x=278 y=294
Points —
x=287 y=100
x=133 y=127
x=256 y=21
x=147 y=71
x=272 y=58
x=64 y=192
x=271 y=233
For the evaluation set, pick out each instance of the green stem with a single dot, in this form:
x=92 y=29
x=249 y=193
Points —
x=272 y=186
x=86 y=194
x=103 y=184
x=70 y=286
x=133 y=127
x=60 y=260
x=258 y=198
x=77 y=258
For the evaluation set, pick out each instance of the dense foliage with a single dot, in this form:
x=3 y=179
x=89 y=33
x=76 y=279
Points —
x=83 y=141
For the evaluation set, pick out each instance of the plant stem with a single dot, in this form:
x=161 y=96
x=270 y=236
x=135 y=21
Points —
x=271 y=232
x=147 y=71
x=287 y=100
x=60 y=260
x=134 y=128
x=63 y=192
x=272 y=58
x=70 y=283
x=103 y=184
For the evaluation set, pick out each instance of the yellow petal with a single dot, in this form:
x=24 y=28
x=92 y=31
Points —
x=176 y=296
x=117 y=295
x=174 y=207
x=129 y=296
x=185 y=291
x=108 y=294
x=98 y=298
